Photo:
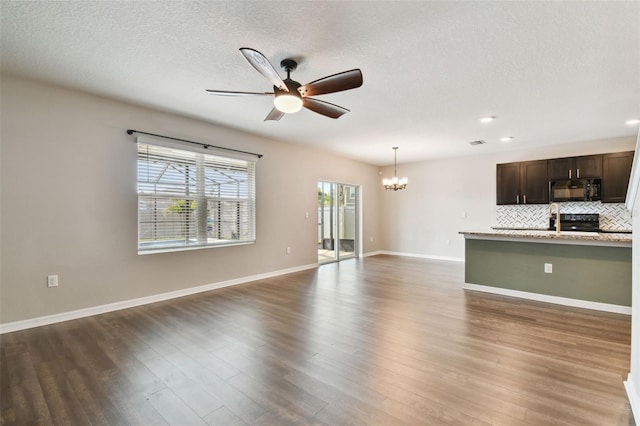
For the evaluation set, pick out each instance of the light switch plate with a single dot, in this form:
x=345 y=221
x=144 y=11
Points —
x=52 y=281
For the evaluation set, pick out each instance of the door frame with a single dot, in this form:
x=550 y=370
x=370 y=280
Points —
x=357 y=242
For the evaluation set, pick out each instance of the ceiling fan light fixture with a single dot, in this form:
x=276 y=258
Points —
x=289 y=95
x=287 y=102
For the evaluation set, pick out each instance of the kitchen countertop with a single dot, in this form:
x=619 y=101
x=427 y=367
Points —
x=511 y=228
x=546 y=236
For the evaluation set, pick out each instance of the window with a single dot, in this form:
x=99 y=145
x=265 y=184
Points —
x=193 y=198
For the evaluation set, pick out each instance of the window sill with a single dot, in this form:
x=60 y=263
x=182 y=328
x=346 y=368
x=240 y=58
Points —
x=142 y=252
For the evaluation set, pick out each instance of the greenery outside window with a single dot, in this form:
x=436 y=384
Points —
x=193 y=198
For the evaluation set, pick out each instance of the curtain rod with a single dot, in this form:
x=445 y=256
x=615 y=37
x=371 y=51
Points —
x=205 y=145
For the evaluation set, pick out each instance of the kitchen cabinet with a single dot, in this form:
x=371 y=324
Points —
x=586 y=166
x=533 y=184
x=508 y=183
x=529 y=182
x=616 y=170
x=522 y=183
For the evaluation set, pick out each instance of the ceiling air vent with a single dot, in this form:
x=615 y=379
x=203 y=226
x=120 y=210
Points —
x=478 y=142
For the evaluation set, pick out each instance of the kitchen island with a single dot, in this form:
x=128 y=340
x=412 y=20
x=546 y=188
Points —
x=583 y=269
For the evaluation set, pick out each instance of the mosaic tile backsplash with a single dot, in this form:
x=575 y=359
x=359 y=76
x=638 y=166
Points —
x=613 y=217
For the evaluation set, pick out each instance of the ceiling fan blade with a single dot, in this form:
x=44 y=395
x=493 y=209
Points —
x=230 y=93
x=274 y=115
x=264 y=67
x=333 y=83
x=325 y=108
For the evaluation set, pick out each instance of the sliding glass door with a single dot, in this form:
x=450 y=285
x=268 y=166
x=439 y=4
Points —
x=337 y=221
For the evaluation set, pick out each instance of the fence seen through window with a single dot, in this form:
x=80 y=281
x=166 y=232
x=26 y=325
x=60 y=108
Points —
x=190 y=199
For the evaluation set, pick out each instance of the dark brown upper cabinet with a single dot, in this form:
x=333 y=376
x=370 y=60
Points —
x=522 y=183
x=508 y=183
x=616 y=170
x=586 y=166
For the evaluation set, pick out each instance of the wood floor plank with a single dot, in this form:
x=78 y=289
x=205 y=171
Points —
x=65 y=406
x=29 y=404
x=340 y=405
x=173 y=409
x=240 y=404
x=270 y=378
x=134 y=406
x=191 y=391
x=133 y=372
x=207 y=360
x=223 y=416
x=94 y=398
x=279 y=410
x=5 y=390
x=384 y=340
x=469 y=397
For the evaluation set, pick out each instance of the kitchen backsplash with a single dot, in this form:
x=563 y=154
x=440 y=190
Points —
x=613 y=216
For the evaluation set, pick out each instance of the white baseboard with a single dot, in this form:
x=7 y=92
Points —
x=422 y=256
x=634 y=397
x=576 y=303
x=101 y=309
x=372 y=253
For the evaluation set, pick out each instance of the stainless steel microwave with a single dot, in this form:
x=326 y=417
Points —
x=575 y=190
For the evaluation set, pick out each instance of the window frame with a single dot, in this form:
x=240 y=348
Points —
x=181 y=158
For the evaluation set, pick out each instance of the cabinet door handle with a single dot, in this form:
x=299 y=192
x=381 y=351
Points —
x=517 y=199
x=569 y=173
x=578 y=173
x=524 y=201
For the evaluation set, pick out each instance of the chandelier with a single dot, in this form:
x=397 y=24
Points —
x=395 y=182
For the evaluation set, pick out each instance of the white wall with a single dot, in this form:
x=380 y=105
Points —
x=69 y=203
x=633 y=380
x=422 y=218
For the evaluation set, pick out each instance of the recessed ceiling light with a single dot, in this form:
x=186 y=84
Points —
x=487 y=119
x=506 y=139
x=632 y=122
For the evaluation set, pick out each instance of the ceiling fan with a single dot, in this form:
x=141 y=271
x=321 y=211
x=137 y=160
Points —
x=289 y=95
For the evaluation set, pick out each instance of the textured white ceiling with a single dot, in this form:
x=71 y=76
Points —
x=551 y=72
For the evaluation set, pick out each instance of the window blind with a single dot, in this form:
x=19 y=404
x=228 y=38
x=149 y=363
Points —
x=192 y=198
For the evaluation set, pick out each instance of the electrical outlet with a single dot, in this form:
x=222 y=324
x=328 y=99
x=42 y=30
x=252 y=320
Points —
x=548 y=268
x=447 y=242
x=370 y=239
x=52 y=281
x=288 y=250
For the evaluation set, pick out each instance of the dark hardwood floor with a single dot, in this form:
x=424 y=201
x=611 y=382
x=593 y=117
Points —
x=384 y=340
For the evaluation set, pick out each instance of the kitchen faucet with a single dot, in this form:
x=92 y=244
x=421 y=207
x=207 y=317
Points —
x=557 y=215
